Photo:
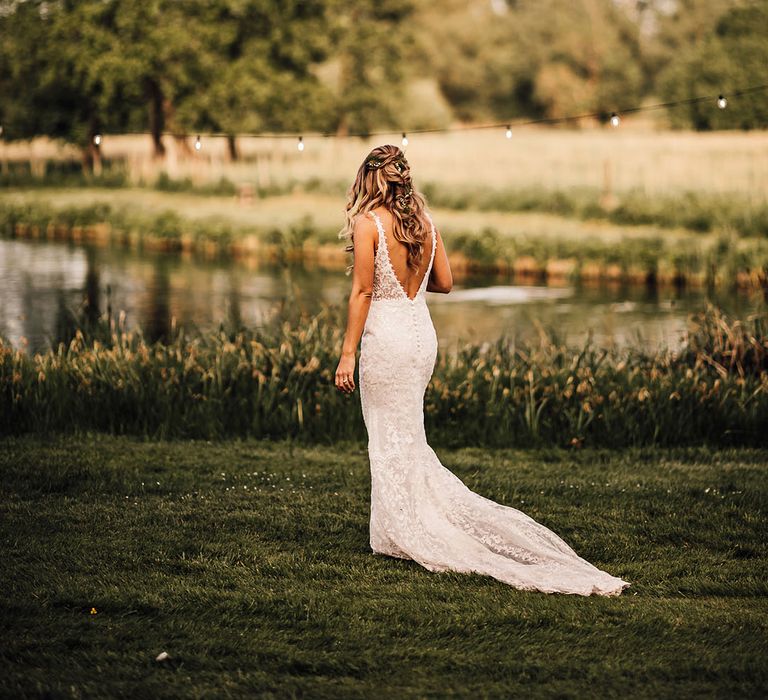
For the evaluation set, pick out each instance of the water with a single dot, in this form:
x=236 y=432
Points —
x=40 y=280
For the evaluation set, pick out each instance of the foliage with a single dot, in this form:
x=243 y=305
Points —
x=259 y=75
x=502 y=59
x=70 y=70
x=277 y=381
x=371 y=40
x=735 y=56
x=74 y=69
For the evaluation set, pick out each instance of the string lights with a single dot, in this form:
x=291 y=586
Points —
x=615 y=119
x=721 y=101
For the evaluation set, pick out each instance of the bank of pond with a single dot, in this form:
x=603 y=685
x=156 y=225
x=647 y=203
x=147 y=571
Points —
x=721 y=259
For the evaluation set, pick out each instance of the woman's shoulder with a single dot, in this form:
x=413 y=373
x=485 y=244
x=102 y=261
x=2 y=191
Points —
x=382 y=212
x=364 y=219
x=364 y=225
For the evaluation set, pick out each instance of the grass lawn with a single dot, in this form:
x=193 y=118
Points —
x=249 y=564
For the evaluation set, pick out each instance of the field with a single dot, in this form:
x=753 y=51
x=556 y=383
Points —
x=248 y=563
x=633 y=157
x=636 y=206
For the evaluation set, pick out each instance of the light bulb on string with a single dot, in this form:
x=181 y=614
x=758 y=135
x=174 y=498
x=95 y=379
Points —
x=198 y=143
x=405 y=139
x=722 y=102
x=300 y=144
x=508 y=132
x=615 y=120
x=97 y=139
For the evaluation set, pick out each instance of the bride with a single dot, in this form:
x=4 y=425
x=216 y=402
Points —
x=419 y=509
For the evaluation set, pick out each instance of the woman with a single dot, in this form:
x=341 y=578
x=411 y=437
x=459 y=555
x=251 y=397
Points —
x=419 y=509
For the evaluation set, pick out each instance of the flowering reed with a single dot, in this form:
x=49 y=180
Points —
x=277 y=381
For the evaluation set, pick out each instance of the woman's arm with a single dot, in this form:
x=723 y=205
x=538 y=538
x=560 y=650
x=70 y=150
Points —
x=440 y=279
x=363 y=238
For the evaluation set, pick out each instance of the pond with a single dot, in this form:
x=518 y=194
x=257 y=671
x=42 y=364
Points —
x=40 y=281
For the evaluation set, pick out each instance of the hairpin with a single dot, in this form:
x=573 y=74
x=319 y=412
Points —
x=374 y=163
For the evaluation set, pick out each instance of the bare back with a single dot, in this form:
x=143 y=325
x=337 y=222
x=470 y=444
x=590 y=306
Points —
x=409 y=279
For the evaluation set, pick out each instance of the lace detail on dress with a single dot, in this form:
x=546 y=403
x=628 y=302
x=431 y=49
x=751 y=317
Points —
x=419 y=509
x=385 y=282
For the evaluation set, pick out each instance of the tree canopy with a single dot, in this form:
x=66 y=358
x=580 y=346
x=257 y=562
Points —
x=70 y=69
x=734 y=54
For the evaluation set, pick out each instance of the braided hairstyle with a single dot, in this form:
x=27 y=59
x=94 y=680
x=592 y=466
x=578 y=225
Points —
x=384 y=179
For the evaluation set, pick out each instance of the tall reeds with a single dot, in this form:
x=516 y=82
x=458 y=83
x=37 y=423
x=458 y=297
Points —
x=277 y=381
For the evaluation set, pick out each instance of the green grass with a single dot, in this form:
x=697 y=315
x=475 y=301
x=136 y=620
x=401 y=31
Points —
x=248 y=562
x=87 y=205
x=740 y=210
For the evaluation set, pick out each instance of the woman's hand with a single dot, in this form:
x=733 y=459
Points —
x=345 y=373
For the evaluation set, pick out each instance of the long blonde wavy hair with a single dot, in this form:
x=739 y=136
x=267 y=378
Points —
x=384 y=180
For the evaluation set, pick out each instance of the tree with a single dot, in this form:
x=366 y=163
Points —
x=371 y=39
x=259 y=75
x=53 y=82
x=552 y=58
x=675 y=27
x=733 y=56
x=159 y=54
x=74 y=68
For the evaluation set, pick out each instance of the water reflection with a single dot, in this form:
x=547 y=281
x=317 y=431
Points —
x=156 y=316
x=92 y=292
x=44 y=285
x=506 y=294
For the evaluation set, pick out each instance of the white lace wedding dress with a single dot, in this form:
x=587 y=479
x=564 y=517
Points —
x=419 y=509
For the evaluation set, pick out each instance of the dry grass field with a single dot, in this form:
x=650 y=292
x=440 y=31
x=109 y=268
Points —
x=617 y=159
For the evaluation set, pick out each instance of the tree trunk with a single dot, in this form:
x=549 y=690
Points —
x=232 y=146
x=156 y=117
x=91 y=155
x=85 y=159
x=95 y=157
x=182 y=145
x=342 y=129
